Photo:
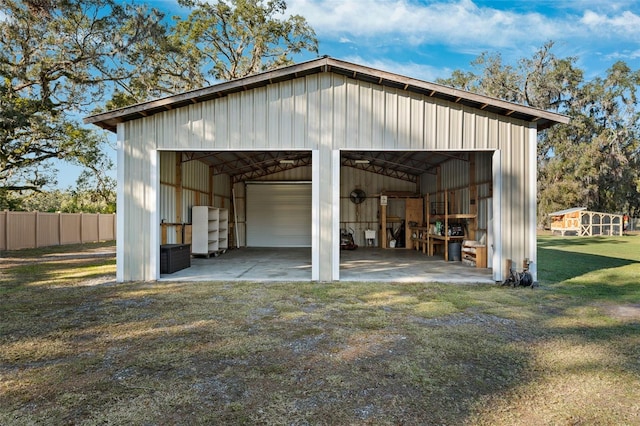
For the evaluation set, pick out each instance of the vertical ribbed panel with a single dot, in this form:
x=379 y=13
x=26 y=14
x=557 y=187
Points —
x=520 y=195
x=287 y=110
x=364 y=108
x=417 y=123
x=188 y=201
x=196 y=120
x=456 y=119
x=430 y=126
x=455 y=174
x=352 y=115
x=220 y=120
x=390 y=138
x=357 y=115
x=484 y=190
x=246 y=119
x=140 y=200
x=480 y=136
x=168 y=167
x=168 y=203
x=403 y=120
x=509 y=207
x=483 y=166
x=443 y=126
x=195 y=176
x=222 y=186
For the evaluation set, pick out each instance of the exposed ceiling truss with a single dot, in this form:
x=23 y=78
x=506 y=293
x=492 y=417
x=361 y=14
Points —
x=252 y=165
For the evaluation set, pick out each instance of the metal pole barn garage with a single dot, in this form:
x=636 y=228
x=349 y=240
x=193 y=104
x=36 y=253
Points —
x=337 y=126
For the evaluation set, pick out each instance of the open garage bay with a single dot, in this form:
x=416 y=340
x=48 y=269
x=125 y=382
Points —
x=294 y=264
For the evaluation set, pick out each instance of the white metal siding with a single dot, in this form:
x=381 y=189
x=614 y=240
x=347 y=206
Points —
x=324 y=112
x=139 y=201
x=352 y=114
x=279 y=215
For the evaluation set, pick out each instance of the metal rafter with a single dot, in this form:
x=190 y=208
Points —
x=275 y=167
x=247 y=165
x=379 y=169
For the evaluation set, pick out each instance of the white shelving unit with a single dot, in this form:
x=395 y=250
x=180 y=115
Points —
x=210 y=230
x=223 y=230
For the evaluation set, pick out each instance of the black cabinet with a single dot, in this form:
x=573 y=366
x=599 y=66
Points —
x=174 y=257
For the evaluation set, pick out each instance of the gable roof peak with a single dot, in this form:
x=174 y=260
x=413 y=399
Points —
x=543 y=119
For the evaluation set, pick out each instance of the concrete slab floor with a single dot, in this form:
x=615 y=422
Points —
x=362 y=264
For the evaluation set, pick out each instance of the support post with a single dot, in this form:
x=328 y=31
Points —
x=383 y=226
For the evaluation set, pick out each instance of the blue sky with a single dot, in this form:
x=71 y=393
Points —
x=429 y=39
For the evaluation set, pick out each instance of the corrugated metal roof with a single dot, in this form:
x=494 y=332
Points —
x=543 y=119
x=567 y=211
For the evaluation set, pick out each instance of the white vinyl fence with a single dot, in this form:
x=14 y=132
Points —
x=19 y=230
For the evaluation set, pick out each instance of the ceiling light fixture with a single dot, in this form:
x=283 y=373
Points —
x=287 y=162
x=362 y=161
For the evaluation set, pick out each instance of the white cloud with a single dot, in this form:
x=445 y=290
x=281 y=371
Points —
x=624 y=24
x=458 y=22
x=624 y=55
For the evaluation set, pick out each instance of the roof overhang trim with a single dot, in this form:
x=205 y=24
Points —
x=543 y=119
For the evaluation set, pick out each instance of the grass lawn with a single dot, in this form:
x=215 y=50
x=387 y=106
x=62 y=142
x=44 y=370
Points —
x=77 y=348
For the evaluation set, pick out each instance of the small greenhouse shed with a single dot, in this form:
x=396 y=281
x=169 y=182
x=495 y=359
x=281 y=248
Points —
x=579 y=221
x=282 y=151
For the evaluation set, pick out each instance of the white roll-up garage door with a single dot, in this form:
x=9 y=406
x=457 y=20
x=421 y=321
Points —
x=279 y=214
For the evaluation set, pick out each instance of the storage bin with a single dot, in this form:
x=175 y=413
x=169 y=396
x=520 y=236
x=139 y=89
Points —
x=174 y=257
x=455 y=252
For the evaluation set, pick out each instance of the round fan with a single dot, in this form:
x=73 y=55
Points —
x=357 y=196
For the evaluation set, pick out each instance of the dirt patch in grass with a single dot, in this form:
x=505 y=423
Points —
x=627 y=312
x=77 y=348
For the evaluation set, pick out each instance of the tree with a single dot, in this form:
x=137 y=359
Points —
x=609 y=120
x=233 y=39
x=62 y=59
x=57 y=59
x=70 y=200
x=543 y=81
x=221 y=41
x=594 y=160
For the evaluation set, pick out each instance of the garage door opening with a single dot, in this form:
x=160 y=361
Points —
x=407 y=211
x=268 y=198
